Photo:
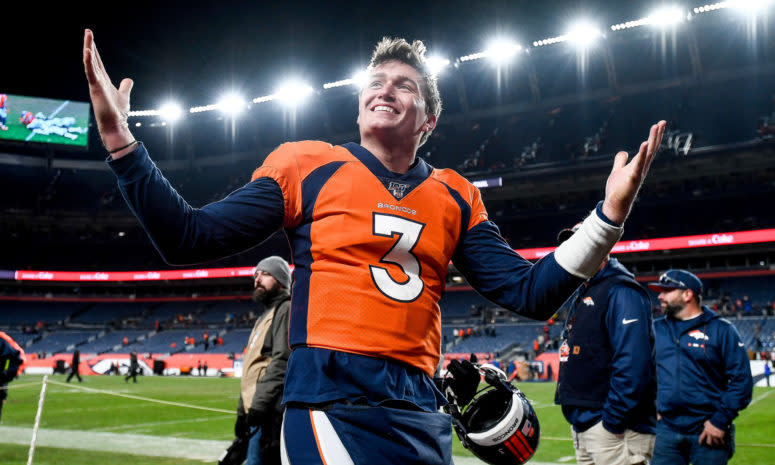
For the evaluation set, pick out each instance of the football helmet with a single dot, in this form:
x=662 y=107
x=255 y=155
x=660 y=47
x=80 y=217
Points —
x=498 y=425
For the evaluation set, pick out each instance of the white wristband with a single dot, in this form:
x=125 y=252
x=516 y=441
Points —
x=582 y=254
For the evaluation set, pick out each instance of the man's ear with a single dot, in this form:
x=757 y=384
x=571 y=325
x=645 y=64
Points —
x=430 y=123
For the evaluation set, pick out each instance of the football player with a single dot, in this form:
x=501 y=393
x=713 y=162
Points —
x=373 y=228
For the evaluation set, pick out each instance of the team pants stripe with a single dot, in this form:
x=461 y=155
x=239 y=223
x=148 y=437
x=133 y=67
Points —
x=331 y=448
x=283 y=453
x=313 y=440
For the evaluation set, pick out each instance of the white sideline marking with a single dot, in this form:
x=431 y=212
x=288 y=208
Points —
x=147 y=399
x=758 y=398
x=457 y=460
x=139 y=444
x=134 y=426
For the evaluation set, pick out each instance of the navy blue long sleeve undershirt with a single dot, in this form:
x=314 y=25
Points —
x=185 y=235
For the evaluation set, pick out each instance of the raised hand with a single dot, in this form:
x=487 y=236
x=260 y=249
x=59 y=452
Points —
x=111 y=105
x=625 y=179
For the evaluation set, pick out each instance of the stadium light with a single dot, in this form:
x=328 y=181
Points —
x=436 y=64
x=340 y=83
x=231 y=104
x=293 y=93
x=357 y=80
x=583 y=34
x=171 y=112
x=666 y=16
x=502 y=50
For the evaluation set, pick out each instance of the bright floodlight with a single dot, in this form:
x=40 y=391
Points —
x=292 y=93
x=502 y=50
x=667 y=16
x=171 y=112
x=435 y=64
x=232 y=104
x=583 y=34
x=359 y=78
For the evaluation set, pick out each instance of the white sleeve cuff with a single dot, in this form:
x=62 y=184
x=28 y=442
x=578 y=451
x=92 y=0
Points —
x=582 y=254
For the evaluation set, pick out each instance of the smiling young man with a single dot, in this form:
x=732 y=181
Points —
x=703 y=376
x=373 y=229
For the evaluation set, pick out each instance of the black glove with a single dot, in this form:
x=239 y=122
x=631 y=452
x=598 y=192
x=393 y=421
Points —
x=462 y=380
x=241 y=427
x=236 y=453
x=254 y=417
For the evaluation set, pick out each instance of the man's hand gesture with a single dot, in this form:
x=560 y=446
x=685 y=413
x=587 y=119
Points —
x=111 y=105
x=626 y=178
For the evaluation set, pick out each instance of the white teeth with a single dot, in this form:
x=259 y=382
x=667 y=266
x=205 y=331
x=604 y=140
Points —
x=384 y=108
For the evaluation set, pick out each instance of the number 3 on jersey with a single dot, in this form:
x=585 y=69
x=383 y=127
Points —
x=400 y=254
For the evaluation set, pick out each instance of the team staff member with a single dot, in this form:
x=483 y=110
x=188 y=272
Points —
x=266 y=357
x=607 y=383
x=74 y=364
x=373 y=229
x=133 y=367
x=703 y=376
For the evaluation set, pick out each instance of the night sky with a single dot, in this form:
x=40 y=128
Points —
x=194 y=51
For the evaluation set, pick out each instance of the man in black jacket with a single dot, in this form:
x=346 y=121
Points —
x=74 y=366
x=133 y=366
x=264 y=364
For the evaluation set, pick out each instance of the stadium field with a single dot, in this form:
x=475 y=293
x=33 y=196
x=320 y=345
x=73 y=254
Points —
x=180 y=420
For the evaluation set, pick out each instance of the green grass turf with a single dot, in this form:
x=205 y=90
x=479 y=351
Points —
x=69 y=408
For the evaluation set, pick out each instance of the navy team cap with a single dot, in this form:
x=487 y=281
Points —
x=677 y=279
x=566 y=233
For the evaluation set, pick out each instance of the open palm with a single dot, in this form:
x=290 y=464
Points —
x=625 y=179
x=111 y=105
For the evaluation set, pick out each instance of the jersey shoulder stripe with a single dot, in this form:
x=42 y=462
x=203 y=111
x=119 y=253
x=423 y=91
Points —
x=291 y=163
x=468 y=193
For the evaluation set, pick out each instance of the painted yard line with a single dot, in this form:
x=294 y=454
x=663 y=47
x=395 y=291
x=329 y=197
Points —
x=157 y=446
x=136 y=444
x=159 y=423
x=758 y=398
x=129 y=396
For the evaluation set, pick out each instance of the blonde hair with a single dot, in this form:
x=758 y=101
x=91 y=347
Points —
x=396 y=49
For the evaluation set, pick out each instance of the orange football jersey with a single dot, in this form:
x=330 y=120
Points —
x=371 y=248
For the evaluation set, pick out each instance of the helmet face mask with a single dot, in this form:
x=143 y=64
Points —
x=499 y=425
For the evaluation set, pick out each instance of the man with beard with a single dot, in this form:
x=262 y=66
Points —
x=703 y=376
x=266 y=357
